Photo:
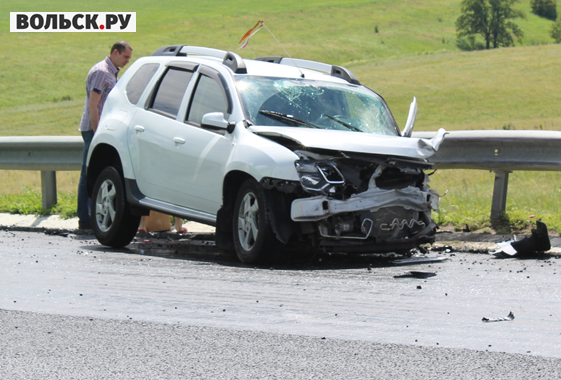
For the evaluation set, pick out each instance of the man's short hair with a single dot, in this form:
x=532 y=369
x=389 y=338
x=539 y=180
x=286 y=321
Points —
x=121 y=46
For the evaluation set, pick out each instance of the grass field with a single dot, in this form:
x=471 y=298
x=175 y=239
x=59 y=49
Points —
x=399 y=49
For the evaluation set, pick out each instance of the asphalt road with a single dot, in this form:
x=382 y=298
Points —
x=71 y=308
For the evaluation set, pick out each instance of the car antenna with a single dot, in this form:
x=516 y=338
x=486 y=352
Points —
x=255 y=29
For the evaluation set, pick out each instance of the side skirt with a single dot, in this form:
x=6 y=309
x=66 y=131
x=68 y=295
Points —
x=142 y=205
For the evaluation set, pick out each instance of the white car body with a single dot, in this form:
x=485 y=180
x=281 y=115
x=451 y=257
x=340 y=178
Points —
x=181 y=168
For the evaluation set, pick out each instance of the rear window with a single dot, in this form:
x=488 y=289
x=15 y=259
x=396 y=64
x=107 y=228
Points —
x=137 y=84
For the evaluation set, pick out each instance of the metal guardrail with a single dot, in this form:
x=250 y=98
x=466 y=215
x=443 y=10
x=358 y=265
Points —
x=500 y=151
x=47 y=154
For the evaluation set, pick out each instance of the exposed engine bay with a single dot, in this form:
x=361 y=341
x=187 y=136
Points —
x=363 y=202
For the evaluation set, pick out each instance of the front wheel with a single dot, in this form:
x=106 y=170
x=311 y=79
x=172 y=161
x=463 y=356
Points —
x=112 y=222
x=254 y=240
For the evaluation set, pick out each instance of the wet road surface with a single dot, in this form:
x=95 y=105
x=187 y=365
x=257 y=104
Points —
x=360 y=299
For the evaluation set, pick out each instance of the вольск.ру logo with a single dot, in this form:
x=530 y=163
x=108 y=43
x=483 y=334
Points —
x=73 y=22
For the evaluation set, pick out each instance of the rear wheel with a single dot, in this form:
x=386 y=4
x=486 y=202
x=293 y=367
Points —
x=254 y=240
x=112 y=222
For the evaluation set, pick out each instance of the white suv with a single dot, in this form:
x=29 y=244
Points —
x=273 y=152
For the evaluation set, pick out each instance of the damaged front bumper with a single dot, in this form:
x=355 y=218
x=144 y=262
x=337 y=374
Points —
x=320 y=207
x=377 y=220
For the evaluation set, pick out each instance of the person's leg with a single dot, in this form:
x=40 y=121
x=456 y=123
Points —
x=142 y=225
x=179 y=226
x=83 y=199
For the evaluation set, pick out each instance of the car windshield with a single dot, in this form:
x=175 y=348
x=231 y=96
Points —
x=305 y=103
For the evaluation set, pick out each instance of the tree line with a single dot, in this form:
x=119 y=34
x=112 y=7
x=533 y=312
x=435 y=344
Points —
x=494 y=21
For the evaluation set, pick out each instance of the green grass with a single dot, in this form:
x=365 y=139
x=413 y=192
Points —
x=531 y=196
x=476 y=90
x=30 y=202
x=400 y=49
x=413 y=54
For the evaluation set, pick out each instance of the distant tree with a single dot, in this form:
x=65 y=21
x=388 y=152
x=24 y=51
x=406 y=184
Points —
x=491 y=19
x=545 y=8
x=555 y=32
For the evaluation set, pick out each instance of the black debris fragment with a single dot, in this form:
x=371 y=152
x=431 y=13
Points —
x=418 y=260
x=509 y=317
x=530 y=246
x=416 y=274
x=537 y=242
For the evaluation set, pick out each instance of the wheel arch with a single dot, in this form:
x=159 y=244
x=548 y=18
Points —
x=277 y=204
x=224 y=218
x=102 y=156
x=232 y=183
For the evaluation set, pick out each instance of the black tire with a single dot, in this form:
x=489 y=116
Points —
x=112 y=222
x=254 y=240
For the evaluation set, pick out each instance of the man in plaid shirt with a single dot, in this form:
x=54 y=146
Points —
x=100 y=81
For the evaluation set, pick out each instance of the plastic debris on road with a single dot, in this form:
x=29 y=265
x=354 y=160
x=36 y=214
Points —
x=509 y=317
x=418 y=260
x=530 y=246
x=416 y=274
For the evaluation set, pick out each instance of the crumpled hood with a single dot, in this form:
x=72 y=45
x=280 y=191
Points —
x=358 y=142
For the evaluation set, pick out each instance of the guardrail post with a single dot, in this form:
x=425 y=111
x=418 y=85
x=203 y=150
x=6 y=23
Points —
x=499 y=194
x=48 y=188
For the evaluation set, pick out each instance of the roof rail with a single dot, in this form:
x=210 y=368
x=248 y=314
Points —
x=235 y=62
x=229 y=59
x=172 y=50
x=336 y=71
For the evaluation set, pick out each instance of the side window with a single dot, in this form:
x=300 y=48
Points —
x=208 y=97
x=171 y=90
x=140 y=80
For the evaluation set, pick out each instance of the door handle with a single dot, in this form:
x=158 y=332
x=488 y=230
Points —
x=139 y=128
x=179 y=140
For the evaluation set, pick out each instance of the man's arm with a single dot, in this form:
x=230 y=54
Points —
x=95 y=97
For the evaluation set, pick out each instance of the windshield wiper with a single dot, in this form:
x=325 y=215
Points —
x=351 y=127
x=287 y=118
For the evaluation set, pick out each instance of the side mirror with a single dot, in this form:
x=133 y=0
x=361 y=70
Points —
x=215 y=120
x=410 y=119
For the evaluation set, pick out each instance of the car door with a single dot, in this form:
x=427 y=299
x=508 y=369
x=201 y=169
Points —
x=203 y=157
x=153 y=137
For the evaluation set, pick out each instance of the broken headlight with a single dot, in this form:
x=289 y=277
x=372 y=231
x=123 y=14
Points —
x=318 y=176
